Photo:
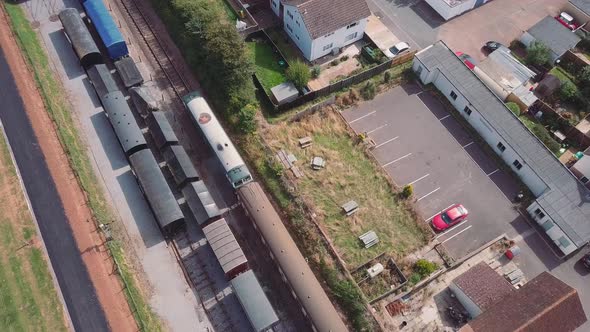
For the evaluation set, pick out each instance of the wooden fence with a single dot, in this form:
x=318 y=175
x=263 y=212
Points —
x=571 y=132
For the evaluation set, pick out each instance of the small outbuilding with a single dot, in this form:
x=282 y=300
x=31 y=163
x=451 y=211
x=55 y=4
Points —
x=284 y=93
x=552 y=34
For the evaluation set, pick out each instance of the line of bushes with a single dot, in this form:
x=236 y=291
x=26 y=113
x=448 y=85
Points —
x=216 y=53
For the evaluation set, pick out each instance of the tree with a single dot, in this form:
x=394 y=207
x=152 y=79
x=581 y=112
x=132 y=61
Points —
x=368 y=91
x=425 y=267
x=298 y=73
x=584 y=76
x=538 y=54
x=513 y=107
x=247 y=119
x=407 y=191
x=568 y=92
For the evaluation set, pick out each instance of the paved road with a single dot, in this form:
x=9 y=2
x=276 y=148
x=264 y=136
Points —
x=71 y=273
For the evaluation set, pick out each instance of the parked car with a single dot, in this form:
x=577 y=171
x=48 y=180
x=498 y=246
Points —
x=494 y=45
x=396 y=49
x=586 y=260
x=567 y=20
x=450 y=217
x=467 y=59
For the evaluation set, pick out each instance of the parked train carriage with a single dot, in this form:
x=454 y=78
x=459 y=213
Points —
x=107 y=29
x=121 y=118
x=180 y=165
x=226 y=248
x=236 y=170
x=102 y=80
x=291 y=262
x=200 y=202
x=161 y=130
x=80 y=38
x=156 y=190
x=258 y=309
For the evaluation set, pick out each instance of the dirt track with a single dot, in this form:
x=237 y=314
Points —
x=90 y=243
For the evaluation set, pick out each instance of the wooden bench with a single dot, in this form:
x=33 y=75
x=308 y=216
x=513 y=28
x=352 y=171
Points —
x=350 y=207
x=305 y=142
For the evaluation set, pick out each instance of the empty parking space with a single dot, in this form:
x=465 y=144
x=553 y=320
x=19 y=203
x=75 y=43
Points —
x=418 y=142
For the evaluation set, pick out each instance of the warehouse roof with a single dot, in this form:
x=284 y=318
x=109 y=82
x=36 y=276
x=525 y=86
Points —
x=566 y=200
x=543 y=304
x=255 y=303
x=483 y=285
x=554 y=35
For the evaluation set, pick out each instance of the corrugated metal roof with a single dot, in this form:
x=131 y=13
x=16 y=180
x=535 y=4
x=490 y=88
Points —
x=200 y=202
x=156 y=190
x=255 y=303
x=566 y=200
x=180 y=165
x=161 y=130
x=224 y=245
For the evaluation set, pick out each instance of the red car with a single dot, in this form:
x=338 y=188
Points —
x=450 y=217
x=567 y=20
x=467 y=59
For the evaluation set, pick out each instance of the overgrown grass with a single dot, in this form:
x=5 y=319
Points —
x=349 y=175
x=232 y=16
x=53 y=96
x=266 y=64
x=284 y=44
x=28 y=300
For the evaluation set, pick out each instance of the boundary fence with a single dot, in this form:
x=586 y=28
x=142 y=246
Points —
x=571 y=132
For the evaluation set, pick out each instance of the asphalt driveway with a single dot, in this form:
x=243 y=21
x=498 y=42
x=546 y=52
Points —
x=418 y=142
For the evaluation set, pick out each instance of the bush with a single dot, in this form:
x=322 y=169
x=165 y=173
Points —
x=514 y=108
x=213 y=49
x=538 y=54
x=407 y=191
x=368 y=91
x=569 y=92
x=298 y=73
x=315 y=71
x=546 y=138
x=387 y=77
x=247 y=119
x=414 y=278
x=335 y=62
x=584 y=76
x=344 y=58
x=425 y=267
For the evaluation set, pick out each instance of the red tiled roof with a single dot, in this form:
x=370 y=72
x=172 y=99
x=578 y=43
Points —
x=483 y=285
x=324 y=16
x=543 y=304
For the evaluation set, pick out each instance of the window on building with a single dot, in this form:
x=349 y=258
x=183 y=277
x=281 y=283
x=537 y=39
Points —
x=297 y=22
x=351 y=36
x=289 y=14
x=517 y=164
x=541 y=215
x=274 y=4
x=289 y=28
x=547 y=225
x=327 y=47
x=584 y=180
x=537 y=211
x=466 y=109
x=453 y=95
x=419 y=70
x=352 y=25
x=297 y=37
x=501 y=147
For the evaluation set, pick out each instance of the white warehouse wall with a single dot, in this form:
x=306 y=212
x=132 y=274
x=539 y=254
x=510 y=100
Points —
x=551 y=228
x=467 y=303
x=446 y=11
x=337 y=39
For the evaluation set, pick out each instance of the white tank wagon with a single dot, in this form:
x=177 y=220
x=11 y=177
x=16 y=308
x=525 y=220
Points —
x=235 y=169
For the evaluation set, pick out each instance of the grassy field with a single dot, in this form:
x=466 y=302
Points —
x=58 y=108
x=266 y=63
x=349 y=175
x=28 y=300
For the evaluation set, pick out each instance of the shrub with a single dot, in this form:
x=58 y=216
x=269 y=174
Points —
x=344 y=58
x=414 y=278
x=569 y=92
x=546 y=138
x=538 y=54
x=425 y=267
x=368 y=91
x=315 y=71
x=387 y=77
x=408 y=191
x=584 y=76
x=247 y=119
x=335 y=62
x=298 y=73
x=514 y=108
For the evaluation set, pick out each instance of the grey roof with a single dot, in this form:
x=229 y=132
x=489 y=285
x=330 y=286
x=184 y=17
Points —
x=483 y=285
x=324 y=16
x=161 y=130
x=255 y=303
x=566 y=200
x=554 y=35
x=123 y=122
x=102 y=80
x=505 y=68
x=225 y=246
x=583 y=5
x=128 y=71
x=284 y=91
x=180 y=165
x=200 y=202
x=156 y=190
x=80 y=37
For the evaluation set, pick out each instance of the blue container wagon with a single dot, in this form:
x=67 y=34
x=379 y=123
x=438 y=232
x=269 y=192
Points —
x=106 y=28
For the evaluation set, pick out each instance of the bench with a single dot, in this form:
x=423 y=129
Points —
x=305 y=142
x=369 y=239
x=350 y=207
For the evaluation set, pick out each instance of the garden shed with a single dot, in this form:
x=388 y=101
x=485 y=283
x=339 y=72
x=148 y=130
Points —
x=284 y=93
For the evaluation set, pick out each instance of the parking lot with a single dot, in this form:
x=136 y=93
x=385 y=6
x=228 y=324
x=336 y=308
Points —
x=500 y=20
x=418 y=142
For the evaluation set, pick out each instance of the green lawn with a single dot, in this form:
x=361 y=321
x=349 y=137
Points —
x=266 y=63
x=288 y=49
x=562 y=74
x=53 y=95
x=349 y=175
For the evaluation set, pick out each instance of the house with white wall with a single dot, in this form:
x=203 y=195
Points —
x=562 y=202
x=320 y=27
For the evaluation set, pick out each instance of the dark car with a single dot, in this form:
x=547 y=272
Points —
x=492 y=46
x=586 y=260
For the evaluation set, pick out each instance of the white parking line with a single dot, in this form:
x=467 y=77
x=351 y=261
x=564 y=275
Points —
x=374 y=130
x=430 y=193
x=398 y=159
x=362 y=117
x=468 y=144
x=492 y=173
x=434 y=215
x=444 y=117
x=388 y=141
x=421 y=178
x=450 y=230
x=463 y=230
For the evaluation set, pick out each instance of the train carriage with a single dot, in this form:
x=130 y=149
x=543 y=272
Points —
x=235 y=169
x=80 y=38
